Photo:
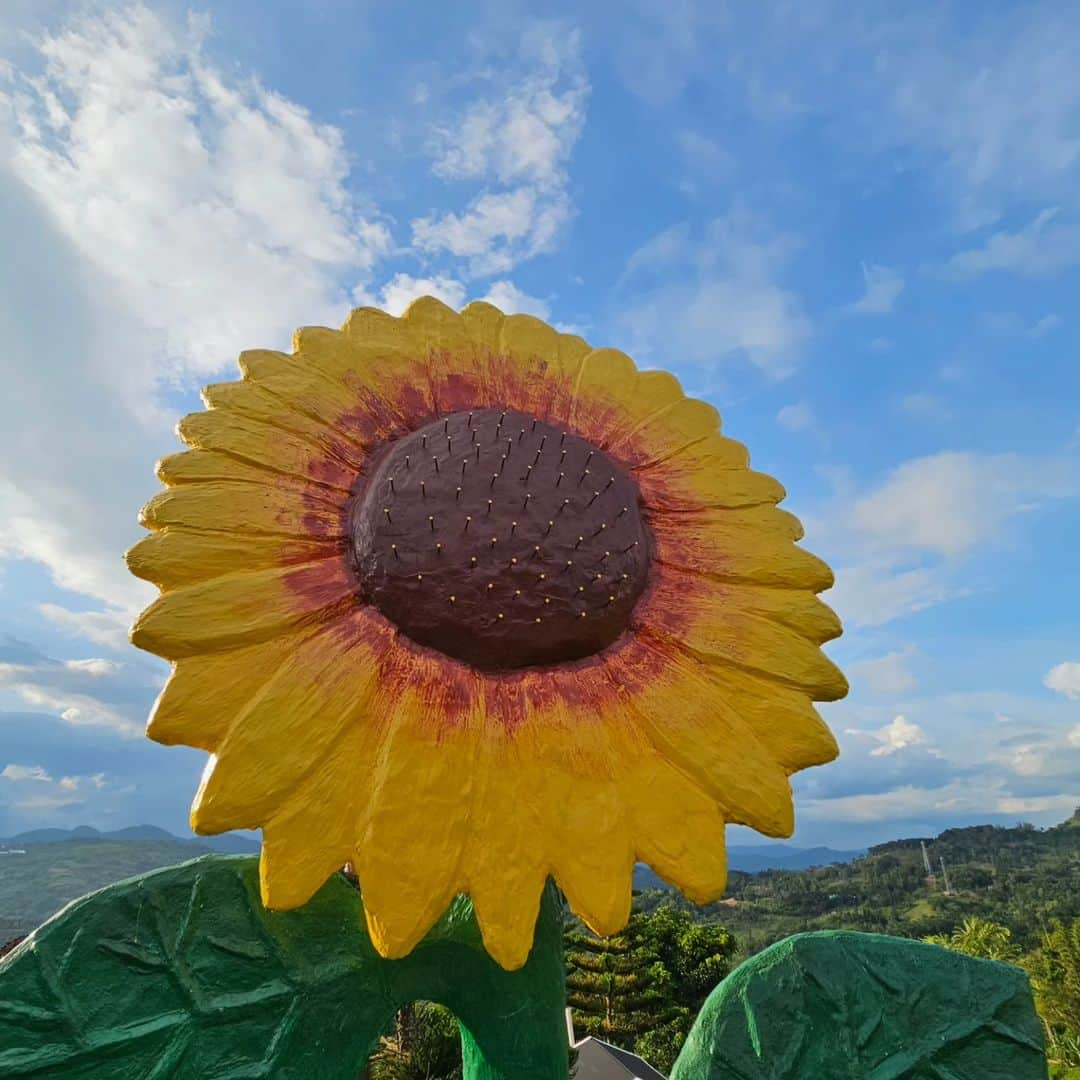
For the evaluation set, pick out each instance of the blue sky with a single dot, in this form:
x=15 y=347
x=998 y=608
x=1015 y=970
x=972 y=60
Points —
x=856 y=232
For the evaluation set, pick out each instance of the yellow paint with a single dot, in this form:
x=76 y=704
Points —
x=206 y=693
x=678 y=830
x=236 y=609
x=179 y=556
x=753 y=545
x=343 y=742
x=254 y=509
x=249 y=441
x=201 y=466
x=693 y=727
x=289 y=727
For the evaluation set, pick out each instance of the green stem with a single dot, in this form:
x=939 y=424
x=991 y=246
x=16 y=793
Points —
x=513 y=1025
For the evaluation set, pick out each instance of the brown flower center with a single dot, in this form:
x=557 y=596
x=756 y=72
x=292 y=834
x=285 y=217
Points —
x=501 y=540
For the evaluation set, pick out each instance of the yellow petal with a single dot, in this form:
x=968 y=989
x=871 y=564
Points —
x=381 y=362
x=409 y=875
x=241 y=609
x=650 y=393
x=179 y=557
x=307 y=390
x=798 y=609
x=678 y=830
x=200 y=466
x=205 y=694
x=295 y=724
x=312 y=836
x=265 y=446
x=713 y=629
x=753 y=545
x=535 y=378
x=693 y=727
x=483 y=323
x=504 y=865
x=247 y=509
x=663 y=434
x=584 y=822
x=605 y=390
x=783 y=719
x=711 y=472
x=436 y=326
x=253 y=400
x=594 y=863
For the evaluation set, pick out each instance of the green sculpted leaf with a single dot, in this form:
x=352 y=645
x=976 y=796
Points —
x=182 y=973
x=846 y=1006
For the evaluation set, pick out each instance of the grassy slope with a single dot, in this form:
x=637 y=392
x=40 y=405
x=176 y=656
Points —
x=36 y=885
x=1021 y=877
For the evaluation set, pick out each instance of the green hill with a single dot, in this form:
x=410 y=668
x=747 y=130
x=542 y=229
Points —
x=1021 y=877
x=38 y=876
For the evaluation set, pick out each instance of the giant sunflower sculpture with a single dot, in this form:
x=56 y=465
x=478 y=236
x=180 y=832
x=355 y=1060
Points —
x=462 y=601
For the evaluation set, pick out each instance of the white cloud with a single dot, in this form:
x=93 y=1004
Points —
x=39 y=793
x=1046 y=325
x=217 y=208
x=797 y=417
x=402 y=289
x=1027 y=760
x=519 y=135
x=44 y=687
x=1042 y=804
x=74 y=783
x=508 y=298
x=897 y=735
x=982 y=110
x=898 y=546
x=109 y=627
x=497 y=230
x=706 y=162
x=94 y=666
x=875 y=592
x=888 y=674
x=997 y=104
x=167 y=216
x=1044 y=247
x=882 y=285
x=923 y=406
x=397 y=294
x=92 y=691
x=1073 y=737
x=711 y=300
x=899 y=804
x=19 y=773
x=947 y=503
x=1064 y=678
x=526 y=129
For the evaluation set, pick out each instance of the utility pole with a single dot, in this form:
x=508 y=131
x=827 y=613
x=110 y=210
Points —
x=945 y=875
x=931 y=881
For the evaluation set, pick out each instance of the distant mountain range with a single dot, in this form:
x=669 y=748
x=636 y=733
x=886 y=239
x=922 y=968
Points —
x=755 y=859
x=227 y=844
x=44 y=869
x=750 y=859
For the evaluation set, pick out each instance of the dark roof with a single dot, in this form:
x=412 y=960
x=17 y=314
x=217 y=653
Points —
x=637 y=1066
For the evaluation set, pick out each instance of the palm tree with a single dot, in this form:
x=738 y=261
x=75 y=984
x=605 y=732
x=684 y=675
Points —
x=981 y=938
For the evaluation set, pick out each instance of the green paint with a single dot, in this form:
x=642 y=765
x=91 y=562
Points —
x=843 y=1006
x=183 y=973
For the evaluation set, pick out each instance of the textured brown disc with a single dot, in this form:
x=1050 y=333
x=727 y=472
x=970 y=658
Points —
x=501 y=540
